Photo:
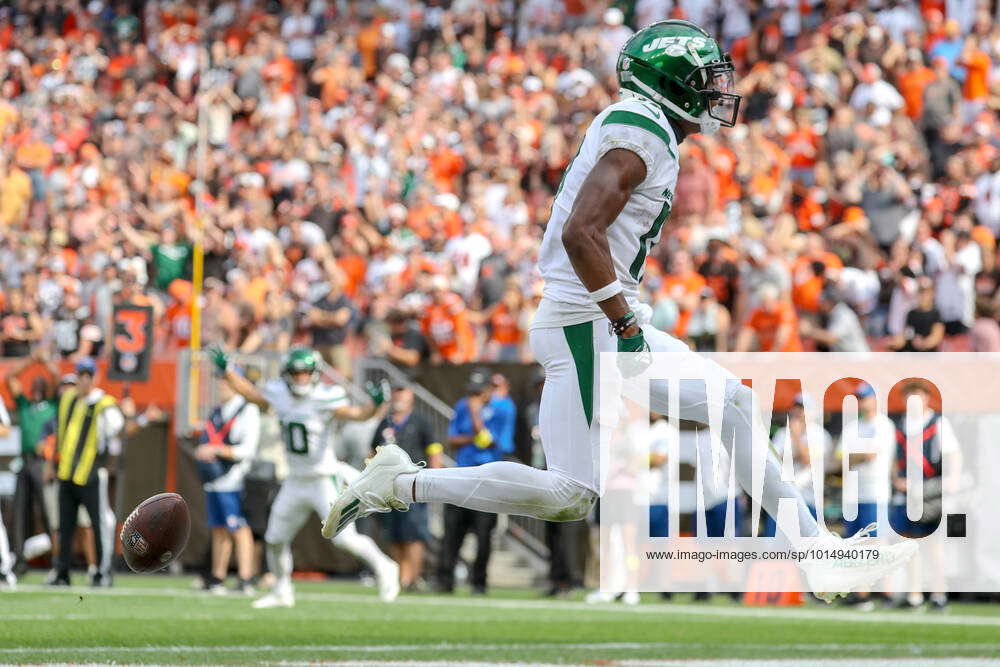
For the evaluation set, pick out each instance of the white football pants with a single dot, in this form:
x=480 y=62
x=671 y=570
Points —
x=298 y=497
x=571 y=435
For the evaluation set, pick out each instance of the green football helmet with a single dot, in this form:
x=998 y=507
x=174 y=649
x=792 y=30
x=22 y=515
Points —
x=300 y=360
x=683 y=69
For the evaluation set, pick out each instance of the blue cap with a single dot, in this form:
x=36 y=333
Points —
x=86 y=365
x=864 y=390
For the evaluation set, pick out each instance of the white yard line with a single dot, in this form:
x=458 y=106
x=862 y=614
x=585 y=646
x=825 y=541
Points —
x=915 y=649
x=784 y=613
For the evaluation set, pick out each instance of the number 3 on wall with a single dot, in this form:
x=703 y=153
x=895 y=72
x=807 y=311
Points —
x=132 y=327
x=131 y=343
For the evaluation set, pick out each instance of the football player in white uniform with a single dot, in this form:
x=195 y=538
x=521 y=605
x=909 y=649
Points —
x=610 y=209
x=308 y=410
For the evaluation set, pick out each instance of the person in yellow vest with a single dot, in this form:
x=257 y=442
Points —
x=89 y=422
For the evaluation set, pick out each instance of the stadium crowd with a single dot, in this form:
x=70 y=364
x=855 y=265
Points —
x=376 y=176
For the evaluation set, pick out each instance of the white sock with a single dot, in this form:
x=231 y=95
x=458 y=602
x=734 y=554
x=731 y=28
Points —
x=504 y=487
x=403 y=487
x=279 y=560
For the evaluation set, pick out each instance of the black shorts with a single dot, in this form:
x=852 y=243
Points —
x=399 y=527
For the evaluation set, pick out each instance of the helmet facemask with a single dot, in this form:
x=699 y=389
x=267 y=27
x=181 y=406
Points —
x=716 y=85
x=300 y=389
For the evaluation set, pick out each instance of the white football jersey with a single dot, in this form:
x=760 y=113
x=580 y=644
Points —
x=633 y=124
x=307 y=426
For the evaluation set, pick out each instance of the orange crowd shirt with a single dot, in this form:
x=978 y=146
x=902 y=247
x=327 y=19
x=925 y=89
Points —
x=678 y=286
x=766 y=325
x=447 y=327
x=977 y=68
x=178 y=317
x=803 y=147
x=801 y=269
x=504 y=326
x=911 y=87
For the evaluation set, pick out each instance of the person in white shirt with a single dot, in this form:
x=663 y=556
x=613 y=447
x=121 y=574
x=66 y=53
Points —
x=866 y=446
x=956 y=292
x=898 y=18
x=297 y=29
x=613 y=35
x=988 y=197
x=228 y=446
x=881 y=94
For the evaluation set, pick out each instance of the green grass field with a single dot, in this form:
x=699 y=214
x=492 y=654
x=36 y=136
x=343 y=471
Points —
x=159 y=619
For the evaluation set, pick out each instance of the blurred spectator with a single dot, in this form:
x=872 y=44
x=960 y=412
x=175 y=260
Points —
x=329 y=321
x=407 y=532
x=985 y=330
x=942 y=97
x=876 y=435
x=227 y=447
x=938 y=444
x=773 y=325
x=868 y=446
x=956 y=294
x=838 y=329
x=474 y=442
x=885 y=197
x=923 y=330
x=404 y=343
x=709 y=325
x=507 y=327
x=446 y=324
x=20 y=323
x=34 y=410
x=500 y=415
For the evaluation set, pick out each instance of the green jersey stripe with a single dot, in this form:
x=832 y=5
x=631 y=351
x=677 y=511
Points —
x=580 y=338
x=622 y=117
x=637 y=264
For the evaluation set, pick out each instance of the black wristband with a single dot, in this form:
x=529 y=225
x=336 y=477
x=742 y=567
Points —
x=619 y=326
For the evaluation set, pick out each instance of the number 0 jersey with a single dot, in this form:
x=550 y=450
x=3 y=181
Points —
x=636 y=125
x=307 y=426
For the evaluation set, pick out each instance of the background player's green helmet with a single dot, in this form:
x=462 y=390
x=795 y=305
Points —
x=683 y=69
x=300 y=360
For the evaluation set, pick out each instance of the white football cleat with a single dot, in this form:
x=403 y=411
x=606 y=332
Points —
x=274 y=599
x=388 y=581
x=861 y=563
x=11 y=580
x=372 y=491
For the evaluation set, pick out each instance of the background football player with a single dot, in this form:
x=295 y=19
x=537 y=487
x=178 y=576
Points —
x=307 y=410
x=609 y=210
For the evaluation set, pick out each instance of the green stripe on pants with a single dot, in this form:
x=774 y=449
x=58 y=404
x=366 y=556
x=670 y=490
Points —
x=580 y=338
